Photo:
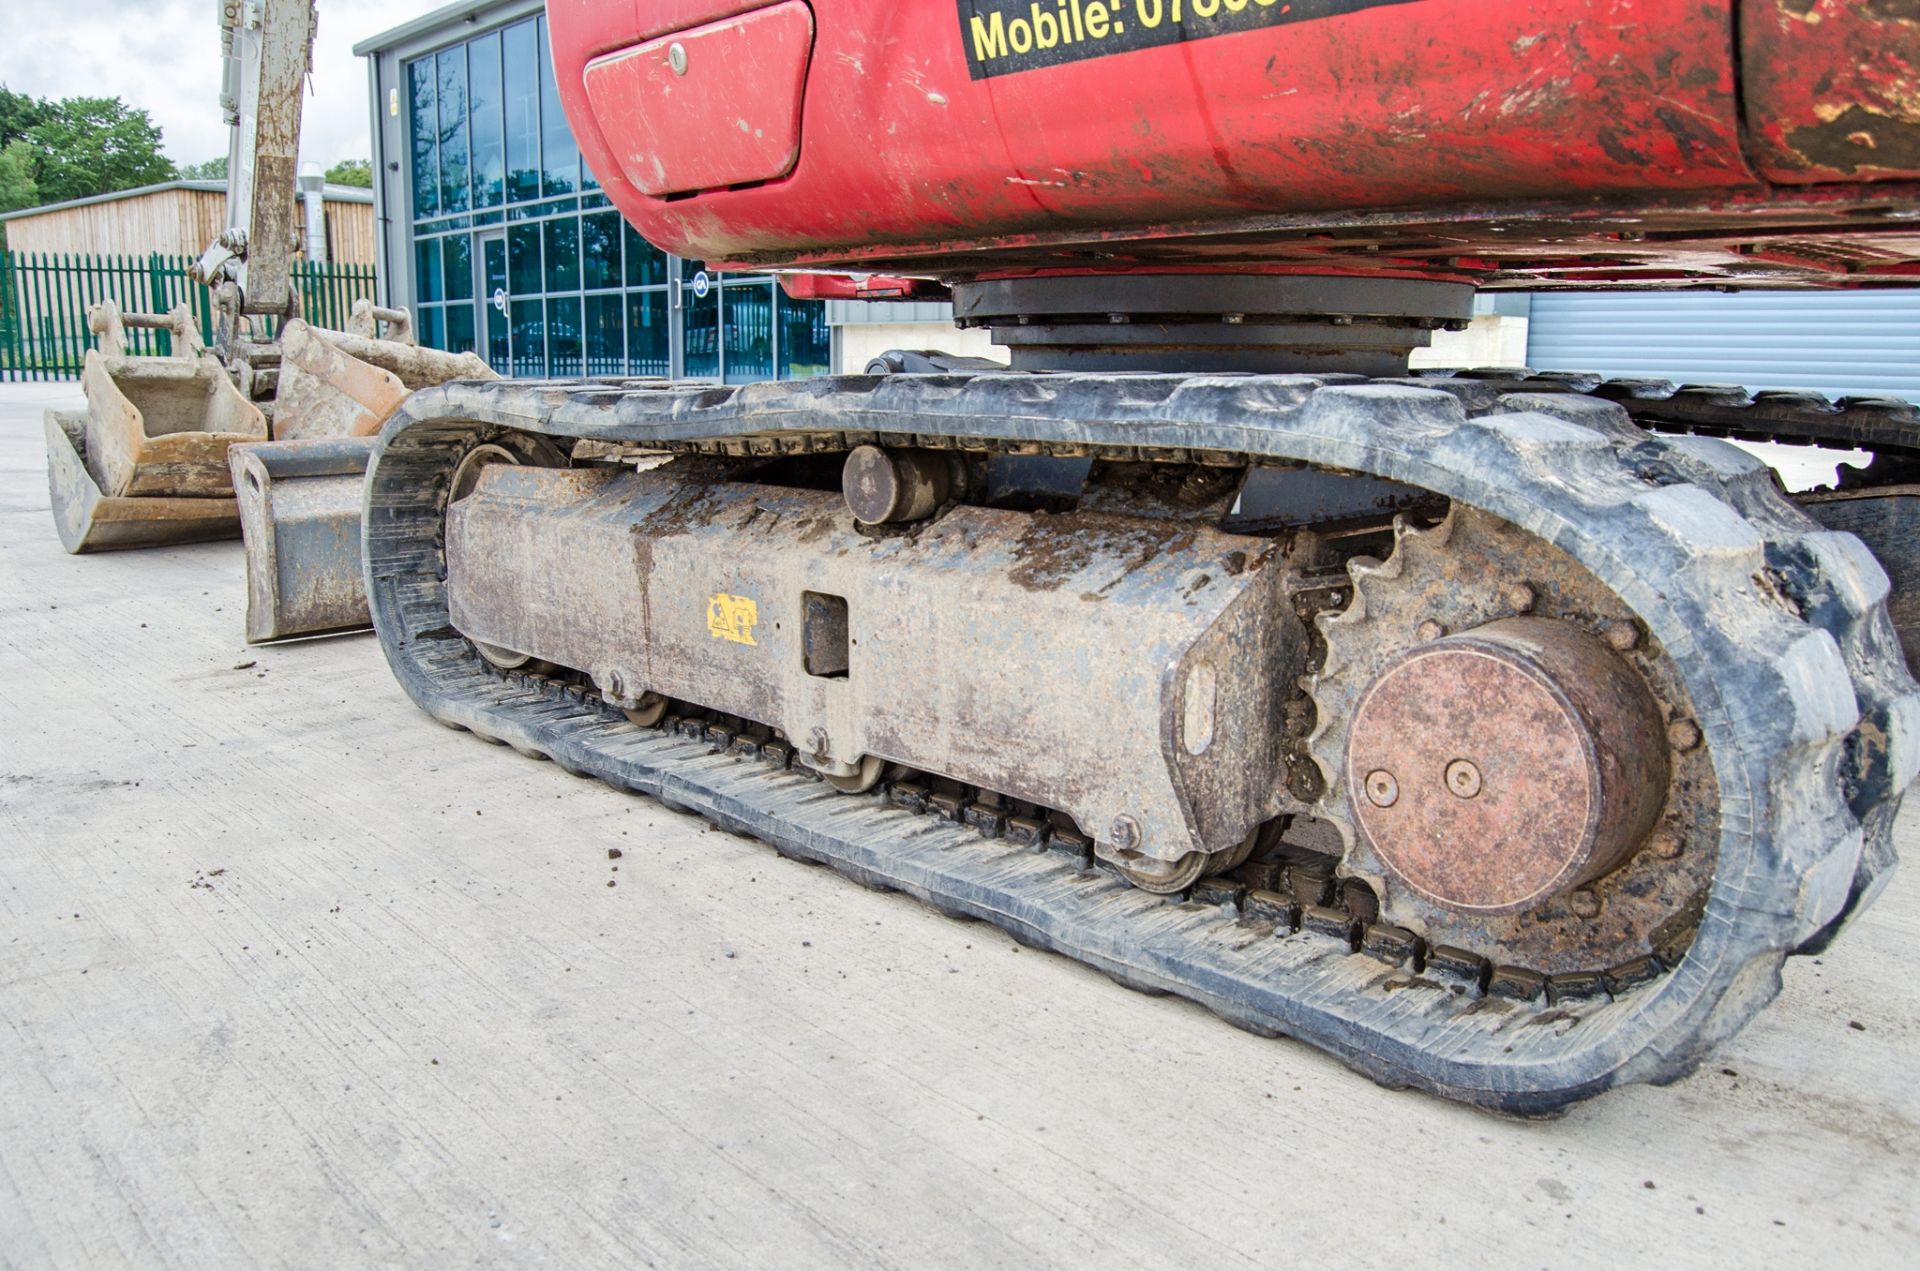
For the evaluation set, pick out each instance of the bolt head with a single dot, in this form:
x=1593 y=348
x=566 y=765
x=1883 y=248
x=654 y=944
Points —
x=1584 y=903
x=677 y=57
x=1463 y=778
x=1125 y=833
x=1666 y=845
x=1430 y=630
x=1383 y=791
x=1521 y=597
x=1621 y=636
x=1683 y=734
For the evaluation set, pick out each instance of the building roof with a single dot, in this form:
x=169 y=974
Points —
x=332 y=193
x=446 y=15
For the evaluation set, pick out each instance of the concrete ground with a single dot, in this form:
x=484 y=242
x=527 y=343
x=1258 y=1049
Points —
x=290 y=976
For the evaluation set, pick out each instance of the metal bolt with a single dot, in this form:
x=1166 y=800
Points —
x=1584 y=904
x=677 y=57
x=1430 y=630
x=1683 y=734
x=1463 y=778
x=1621 y=636
x=1382 y=790
x=1125 y=833
x=1521 y=597
x=1666 y=845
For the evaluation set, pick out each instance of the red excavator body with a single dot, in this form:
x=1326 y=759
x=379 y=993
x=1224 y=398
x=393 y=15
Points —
x=1503 y=142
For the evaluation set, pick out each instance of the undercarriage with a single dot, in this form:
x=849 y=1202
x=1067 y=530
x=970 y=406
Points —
x=1459 y=726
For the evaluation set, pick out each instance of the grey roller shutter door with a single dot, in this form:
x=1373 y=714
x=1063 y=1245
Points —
x=1864 y=343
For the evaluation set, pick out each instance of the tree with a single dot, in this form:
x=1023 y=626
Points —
x=211 y=170
x=352 y=172
x=18 y=112
x=95 y=145
x=18 y=189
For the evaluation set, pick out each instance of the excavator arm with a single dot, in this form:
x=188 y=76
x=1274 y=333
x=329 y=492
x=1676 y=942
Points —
x=266 y=49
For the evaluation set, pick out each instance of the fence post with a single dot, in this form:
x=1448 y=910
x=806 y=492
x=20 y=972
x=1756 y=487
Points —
x=9 y=318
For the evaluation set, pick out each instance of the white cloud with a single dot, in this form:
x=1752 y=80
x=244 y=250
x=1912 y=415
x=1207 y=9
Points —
x=164 y=56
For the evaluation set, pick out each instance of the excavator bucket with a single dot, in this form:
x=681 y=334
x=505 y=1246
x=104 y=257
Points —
x=146 y=464
x=299 y=495
x=300 y=516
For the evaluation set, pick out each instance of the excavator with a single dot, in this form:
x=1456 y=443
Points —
x=266 y=437
x=1499 y=733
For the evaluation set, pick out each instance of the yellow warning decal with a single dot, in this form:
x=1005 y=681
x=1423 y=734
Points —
x=732 y=618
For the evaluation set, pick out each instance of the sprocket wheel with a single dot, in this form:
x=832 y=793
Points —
x=1511 y=760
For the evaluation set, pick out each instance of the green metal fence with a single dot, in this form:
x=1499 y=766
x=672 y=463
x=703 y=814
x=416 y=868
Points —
x=44 y=299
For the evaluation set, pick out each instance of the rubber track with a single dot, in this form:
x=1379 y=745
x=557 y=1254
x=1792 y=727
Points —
x=1724 y=410
x=1777 y=628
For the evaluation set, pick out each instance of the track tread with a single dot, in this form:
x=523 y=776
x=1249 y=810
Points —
x=1678 y=529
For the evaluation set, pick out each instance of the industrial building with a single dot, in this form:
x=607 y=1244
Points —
x=174 y=218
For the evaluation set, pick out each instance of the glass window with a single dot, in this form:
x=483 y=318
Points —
x=563 y=254
x=647 y=333
x=702 y=316
x=494 y=249
x=600 y=250
x=453 y=128
x=520 y=58
x=529 y=339
x=523 y=260
x=560 y=158
x=425 y=127
x=457 y=254
x=563 y=336
x=489 y=138
x=494 y=255
x=806 y=341
x=747 y=317
x=583 y=293
x=460 y=328
x=606 y=338
x=646 y=264
x=426 y=273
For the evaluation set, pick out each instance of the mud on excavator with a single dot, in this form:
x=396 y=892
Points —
x=1497 y=733
x=264 y=438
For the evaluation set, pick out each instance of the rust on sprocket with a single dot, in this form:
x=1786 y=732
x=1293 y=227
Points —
x=1505 y=752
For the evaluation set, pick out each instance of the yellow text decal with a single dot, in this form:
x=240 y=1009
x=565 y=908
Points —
x=732 y=618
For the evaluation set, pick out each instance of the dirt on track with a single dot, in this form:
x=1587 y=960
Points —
x=291 y=976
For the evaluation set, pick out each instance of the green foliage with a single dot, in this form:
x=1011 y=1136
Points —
x=95 y=145
x=18 y=112
x=352 y=172
x=210 y=170
x=18 y=189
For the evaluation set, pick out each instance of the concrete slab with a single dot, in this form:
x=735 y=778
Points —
x=289 y=976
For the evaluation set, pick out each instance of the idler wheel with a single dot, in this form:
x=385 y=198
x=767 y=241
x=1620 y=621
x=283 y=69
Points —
x=1493 y=769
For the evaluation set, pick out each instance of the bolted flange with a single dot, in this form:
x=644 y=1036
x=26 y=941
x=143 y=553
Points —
x=1528 y=759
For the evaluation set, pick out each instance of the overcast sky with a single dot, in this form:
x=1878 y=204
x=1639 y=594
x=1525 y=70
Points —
x=164 y=55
